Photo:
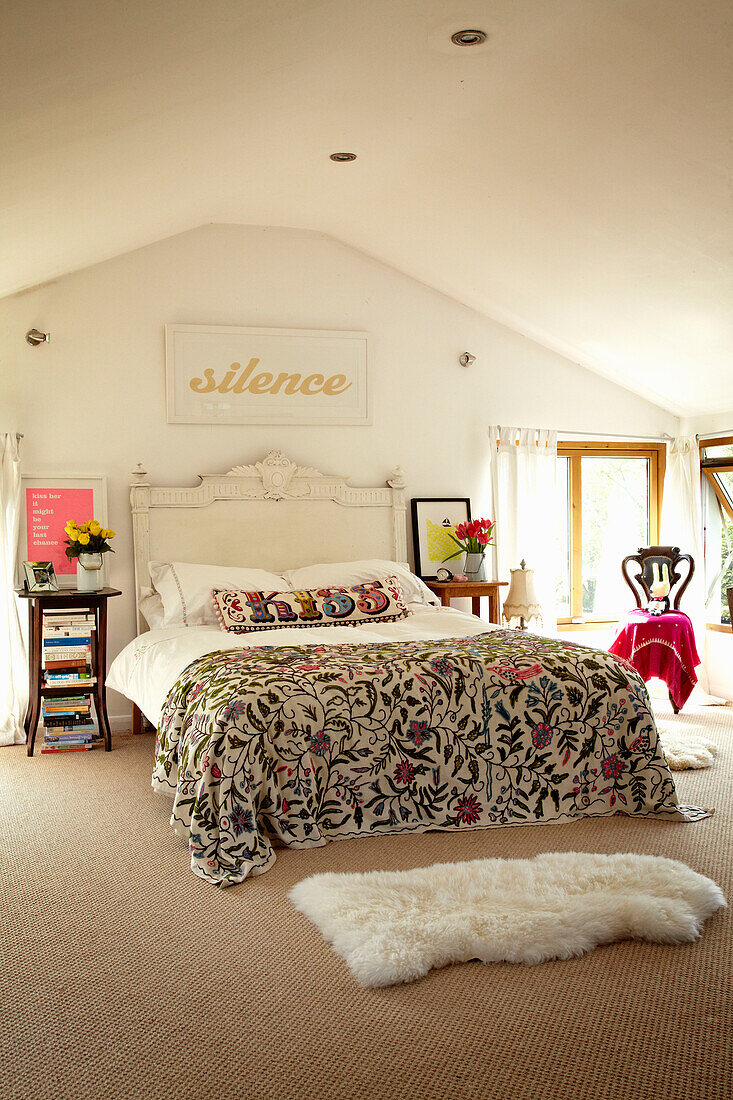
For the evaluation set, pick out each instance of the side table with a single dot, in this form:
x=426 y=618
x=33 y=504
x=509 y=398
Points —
x=92 y=602
x=448 y=590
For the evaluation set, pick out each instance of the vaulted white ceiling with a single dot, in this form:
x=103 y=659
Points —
x=571 y=177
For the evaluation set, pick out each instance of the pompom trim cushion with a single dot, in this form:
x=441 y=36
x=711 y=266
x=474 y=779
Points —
x=379 y=600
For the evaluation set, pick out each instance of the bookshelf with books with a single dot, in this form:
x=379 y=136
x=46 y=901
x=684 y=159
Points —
x=67 y=721
x=67 y=668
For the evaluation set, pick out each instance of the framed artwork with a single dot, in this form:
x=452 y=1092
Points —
x=432 y=520
x=47 y=503
x=216 y=374
x=40 y=576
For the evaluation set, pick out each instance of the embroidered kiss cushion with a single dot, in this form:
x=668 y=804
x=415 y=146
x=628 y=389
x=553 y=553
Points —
x=372 y=601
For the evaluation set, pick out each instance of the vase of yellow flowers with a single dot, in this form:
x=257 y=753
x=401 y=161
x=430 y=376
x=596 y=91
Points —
x=88 y=543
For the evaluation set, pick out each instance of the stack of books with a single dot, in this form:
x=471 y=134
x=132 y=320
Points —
x=68 y=724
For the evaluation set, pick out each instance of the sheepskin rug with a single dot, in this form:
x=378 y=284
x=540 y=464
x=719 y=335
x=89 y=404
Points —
x=685 y=749
x=394 y=926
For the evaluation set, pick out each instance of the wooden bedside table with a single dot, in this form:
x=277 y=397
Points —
x=93 y=602
x=475 y=589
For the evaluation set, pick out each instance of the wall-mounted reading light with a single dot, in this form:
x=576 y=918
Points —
x=466 y=359
x=34 y=337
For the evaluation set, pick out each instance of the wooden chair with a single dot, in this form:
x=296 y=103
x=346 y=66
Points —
x=649 y=556
x=655 y=652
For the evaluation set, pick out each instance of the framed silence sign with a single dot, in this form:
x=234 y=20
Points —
x=221 y=375
x=47 y=503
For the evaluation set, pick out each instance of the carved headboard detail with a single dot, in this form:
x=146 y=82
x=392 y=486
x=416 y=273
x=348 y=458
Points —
x=272 y=514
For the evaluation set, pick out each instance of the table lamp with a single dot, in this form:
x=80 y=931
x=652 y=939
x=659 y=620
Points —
x=522 y=601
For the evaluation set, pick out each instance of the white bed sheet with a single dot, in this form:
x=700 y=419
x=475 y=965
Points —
x=147 y=668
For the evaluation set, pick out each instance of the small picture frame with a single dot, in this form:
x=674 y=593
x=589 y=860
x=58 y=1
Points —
x=40 y=576
x=432 y=519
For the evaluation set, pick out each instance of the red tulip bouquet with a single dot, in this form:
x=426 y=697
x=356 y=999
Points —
x=472 y=537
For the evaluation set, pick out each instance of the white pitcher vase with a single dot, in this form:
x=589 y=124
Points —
x=474 y=567
x=89 y=572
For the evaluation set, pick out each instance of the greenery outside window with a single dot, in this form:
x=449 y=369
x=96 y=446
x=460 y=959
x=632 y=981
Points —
x=716 y=464
x=609 y=502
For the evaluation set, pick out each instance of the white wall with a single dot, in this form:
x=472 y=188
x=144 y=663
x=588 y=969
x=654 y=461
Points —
x=719 y=422
x=719 y=663
x=93 y=400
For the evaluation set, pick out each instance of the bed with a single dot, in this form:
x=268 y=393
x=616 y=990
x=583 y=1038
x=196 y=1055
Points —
x=412 y=717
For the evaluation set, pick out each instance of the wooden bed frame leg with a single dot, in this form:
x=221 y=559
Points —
x=137 y=719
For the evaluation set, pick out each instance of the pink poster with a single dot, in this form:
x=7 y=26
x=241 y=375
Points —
x=47 y=512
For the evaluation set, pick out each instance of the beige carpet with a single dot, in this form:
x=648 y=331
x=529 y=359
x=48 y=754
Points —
x=124 y=976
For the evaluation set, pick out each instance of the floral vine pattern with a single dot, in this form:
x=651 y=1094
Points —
x=305 y=744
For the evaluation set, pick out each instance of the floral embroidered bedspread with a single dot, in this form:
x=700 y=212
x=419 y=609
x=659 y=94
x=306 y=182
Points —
x=306 y=744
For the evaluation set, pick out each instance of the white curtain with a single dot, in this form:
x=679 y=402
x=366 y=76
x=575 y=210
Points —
x=13 y=659
x=524 y=495
x=682 y=526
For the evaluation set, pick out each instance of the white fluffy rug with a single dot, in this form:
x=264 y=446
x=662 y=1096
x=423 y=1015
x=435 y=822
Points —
x=685 y=749
x=394 y=926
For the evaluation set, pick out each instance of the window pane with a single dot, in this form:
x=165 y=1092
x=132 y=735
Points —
x=718 y=556
x=724 y=450
x=615 y=511
x=726 y=576
x=724 y=479
x=562 y=588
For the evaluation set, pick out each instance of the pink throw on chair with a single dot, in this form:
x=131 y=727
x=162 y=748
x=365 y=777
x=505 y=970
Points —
x=662 y=646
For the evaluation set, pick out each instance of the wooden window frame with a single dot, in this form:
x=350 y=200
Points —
x=575 y=451
x=708 y=468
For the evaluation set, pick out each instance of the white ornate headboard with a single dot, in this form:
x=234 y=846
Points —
x=271 y=515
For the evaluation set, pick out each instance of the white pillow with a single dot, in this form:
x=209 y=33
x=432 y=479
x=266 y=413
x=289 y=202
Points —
x=185 y=589
x=356 y=572
x=151 y=606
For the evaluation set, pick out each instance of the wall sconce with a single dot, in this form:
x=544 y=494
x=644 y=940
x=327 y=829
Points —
x=34 y=337
x=466 y=359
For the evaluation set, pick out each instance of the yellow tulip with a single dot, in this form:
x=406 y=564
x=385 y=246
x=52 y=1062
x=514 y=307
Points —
x=95 y=527
x=110 y=534
x=83 y=538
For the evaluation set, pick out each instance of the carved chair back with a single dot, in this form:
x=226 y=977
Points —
x=649 y=556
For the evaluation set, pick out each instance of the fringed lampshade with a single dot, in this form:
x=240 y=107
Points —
x=522 y=601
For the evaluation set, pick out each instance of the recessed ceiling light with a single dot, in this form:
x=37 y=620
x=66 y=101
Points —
x=468 y=38
x=342 y=157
